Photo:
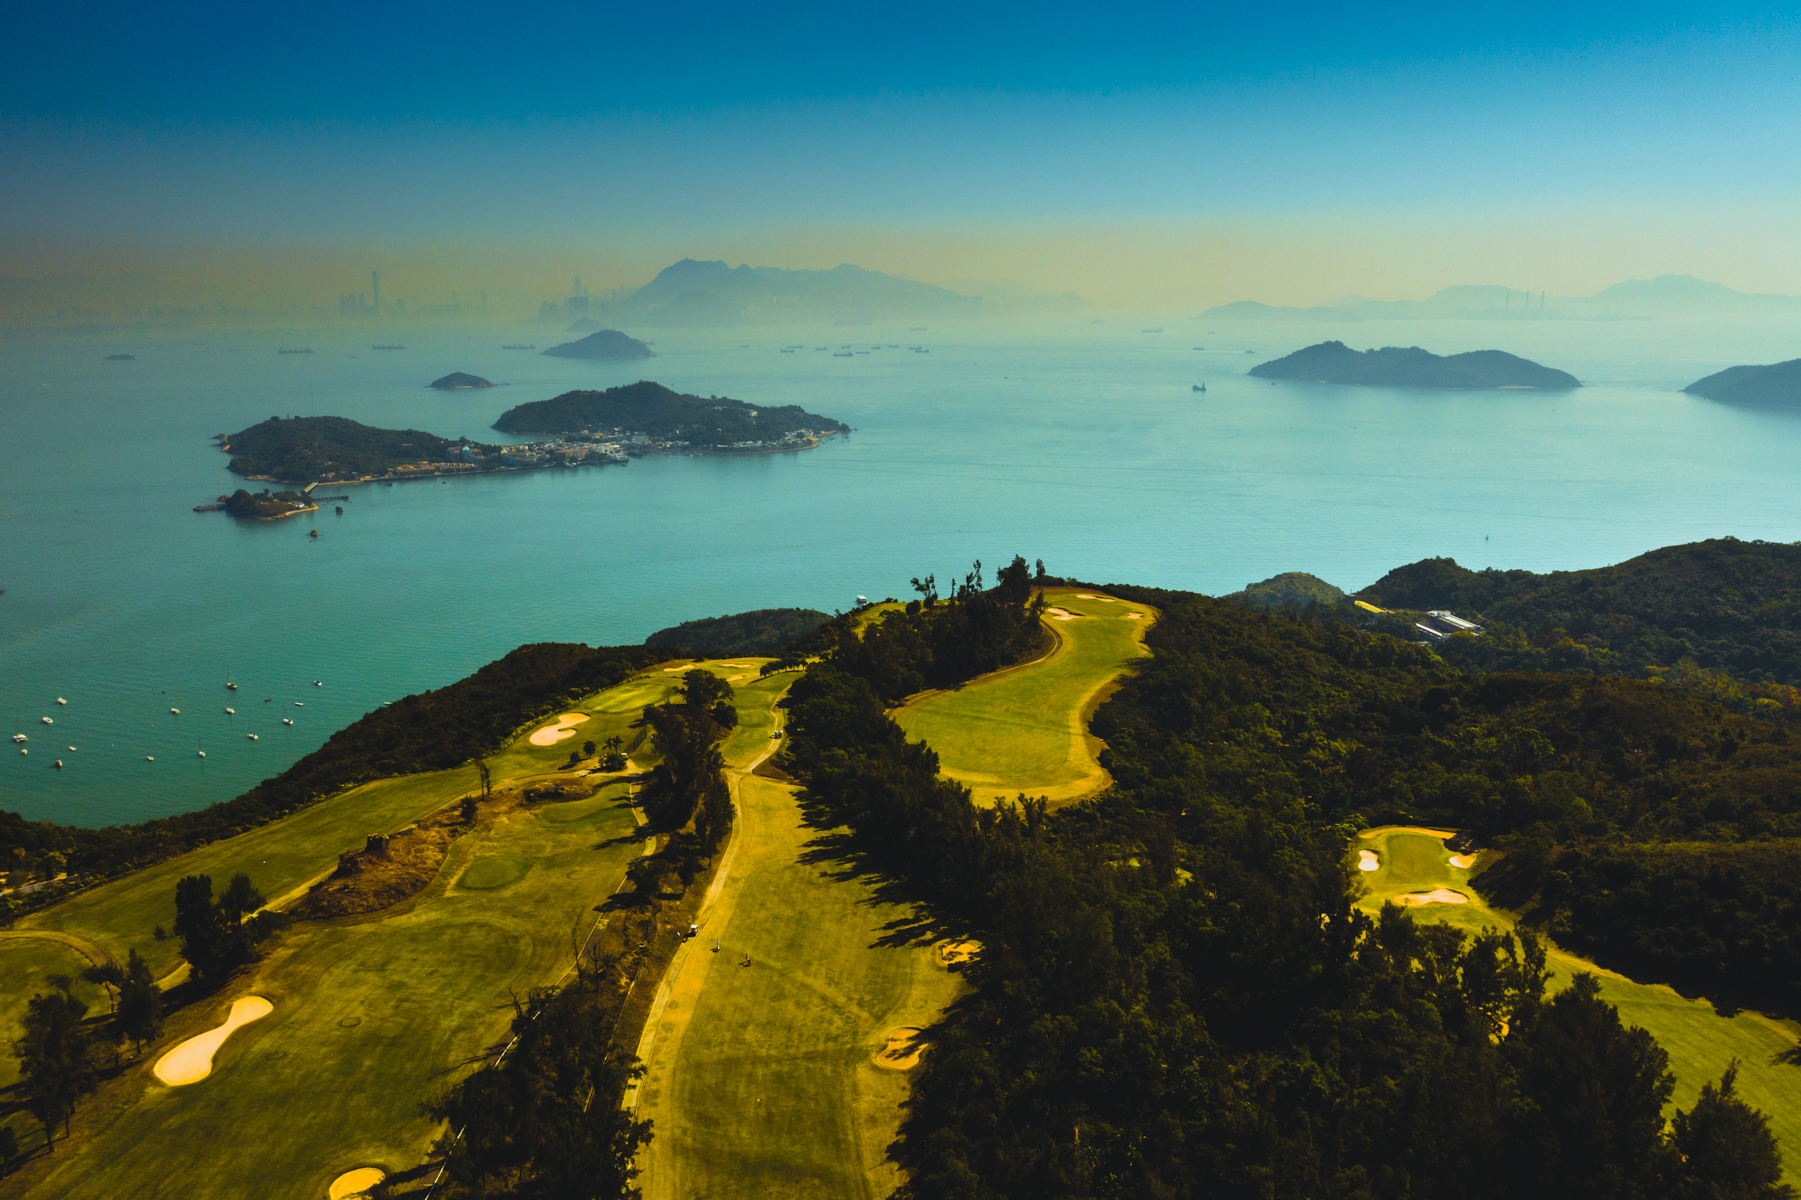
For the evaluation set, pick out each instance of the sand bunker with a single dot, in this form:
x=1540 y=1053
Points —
x=192 y=1061
x=733 y=678
x=1435 y=896
x=1134 y=616
x=1463 y=862
x=1367 y=861
x=1060 y=614
x=550 y=735
x=355 y=1183
x=903 y=1049
x=951 y=953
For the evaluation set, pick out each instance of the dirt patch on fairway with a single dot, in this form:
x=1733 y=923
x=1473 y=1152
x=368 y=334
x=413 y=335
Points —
x=1367 y=861
x=355 y=1183
x=1435 y=896
x=902 y=1051
x=952 y=953
x=550 y=735
x=387 y=870
x=192 y=1061
x=1134 y=616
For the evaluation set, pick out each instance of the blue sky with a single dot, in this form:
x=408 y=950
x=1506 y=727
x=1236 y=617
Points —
x=1422 y=145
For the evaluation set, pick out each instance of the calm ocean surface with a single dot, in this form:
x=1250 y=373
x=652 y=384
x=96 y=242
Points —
x=1078 y=443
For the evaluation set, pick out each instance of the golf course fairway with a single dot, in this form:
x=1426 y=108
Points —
x=1025 y=728
x=370 y=1015
x=761 y=1079
x=1701 y=1043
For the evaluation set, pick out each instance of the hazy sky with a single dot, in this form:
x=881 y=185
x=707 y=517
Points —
x=1159 y=155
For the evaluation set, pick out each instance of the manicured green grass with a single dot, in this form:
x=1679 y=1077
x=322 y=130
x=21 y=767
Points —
x=1699 y=1041
x=373 y=1014
x=279 y=857
x=760 y=1077
x=1025 y=728
x=25 y=967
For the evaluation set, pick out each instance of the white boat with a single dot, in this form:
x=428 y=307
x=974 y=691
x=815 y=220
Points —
x=19 y=737
x=201 y=753
x=287 y=720
x=299 y=704
x=176 y=711
x=23 y=750
x=251 y=736
x=47 y=720
x=150 y=758
x=231 y=711
x=60 y=700
x=59 y=764
x=318 y=683
x=71 y=749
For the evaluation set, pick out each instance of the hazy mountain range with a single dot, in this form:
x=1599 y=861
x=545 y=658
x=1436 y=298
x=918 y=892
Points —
x=1666 y=295
x=711 y=293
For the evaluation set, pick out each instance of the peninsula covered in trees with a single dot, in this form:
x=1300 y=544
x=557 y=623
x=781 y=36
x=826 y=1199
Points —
x=666 y=415
x=1394 y=366
x=764 y=631
x=1778 y=383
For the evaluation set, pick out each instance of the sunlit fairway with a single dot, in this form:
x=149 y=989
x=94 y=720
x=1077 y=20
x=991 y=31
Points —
x=371 y=1014
x=1025 y=729
x=1700 y=1042
x=762 y=1079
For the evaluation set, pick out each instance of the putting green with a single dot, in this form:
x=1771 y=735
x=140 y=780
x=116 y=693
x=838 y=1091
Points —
x=1700 y=1042
x=1025 y=728
x=494 y=871
x=371 y=1014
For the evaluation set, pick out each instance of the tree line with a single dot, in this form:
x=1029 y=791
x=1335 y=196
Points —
x=1176 y=995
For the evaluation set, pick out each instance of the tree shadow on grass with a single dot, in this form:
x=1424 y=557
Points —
x=842 y=859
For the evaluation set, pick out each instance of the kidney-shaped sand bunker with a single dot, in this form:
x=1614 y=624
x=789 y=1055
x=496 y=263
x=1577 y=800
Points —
x=192 y=1060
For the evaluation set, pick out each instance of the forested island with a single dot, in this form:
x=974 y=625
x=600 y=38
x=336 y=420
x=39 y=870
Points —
x=458 y=380
x=305 y=449
x=1778 y=383
x=1394 y=366
x=706 y=422
x=602 y=344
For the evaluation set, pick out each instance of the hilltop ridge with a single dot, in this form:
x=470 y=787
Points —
x=1394 y=366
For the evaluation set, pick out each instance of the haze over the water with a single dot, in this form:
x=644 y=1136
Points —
x=1159 y=156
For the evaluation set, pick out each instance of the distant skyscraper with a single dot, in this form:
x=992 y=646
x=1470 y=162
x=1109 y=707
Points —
x=375 y=283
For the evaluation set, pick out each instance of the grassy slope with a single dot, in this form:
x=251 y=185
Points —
x=24 y=964
x=760 y=1080
x=1700 y=1042
x=294 y=851
x=372 y=1014
x=1025 y=729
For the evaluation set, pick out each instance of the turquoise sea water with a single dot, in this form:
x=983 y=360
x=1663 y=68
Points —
x=1078 y=443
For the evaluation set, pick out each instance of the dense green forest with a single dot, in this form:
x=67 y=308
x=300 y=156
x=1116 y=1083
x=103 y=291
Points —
x=1675 y=613
x=653 y=409
x=304 y=449
x=762 y=631
x=1177 y=997
x=427 y=732
x=262 y=504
